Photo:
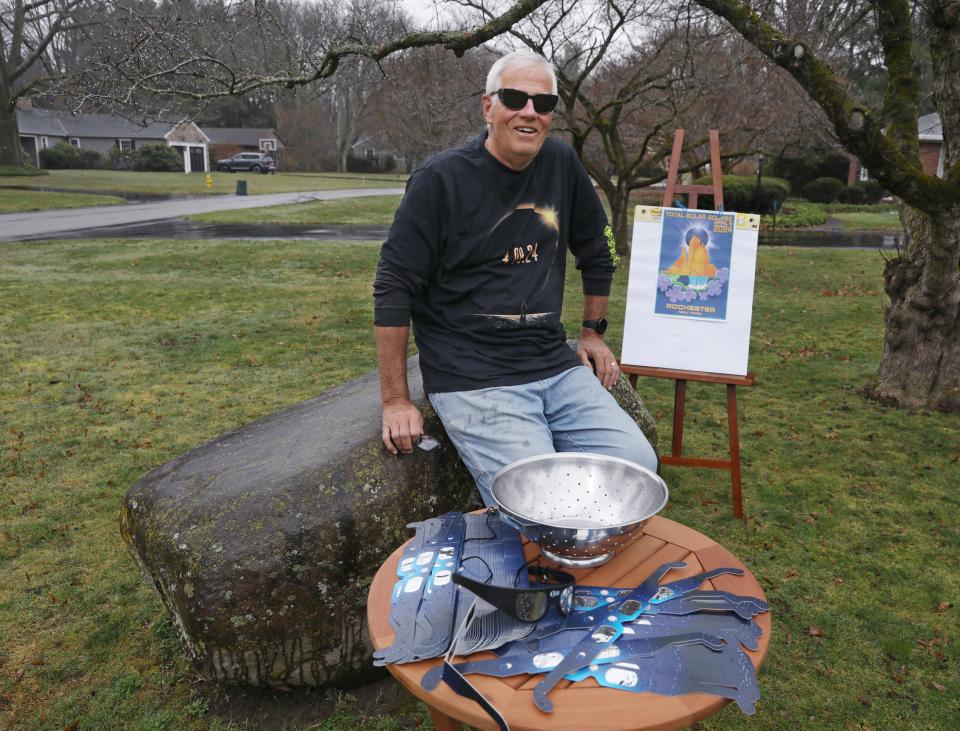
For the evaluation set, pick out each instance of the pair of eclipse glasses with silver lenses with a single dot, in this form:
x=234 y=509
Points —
x=526 y=604
x=516 y=100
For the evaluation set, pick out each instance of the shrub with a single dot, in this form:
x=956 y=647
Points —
x=157 y=158
x=874 y=191
x=119 y=160
x=62 y=156
x=357 y=164
x=89 y=159
x=853 y=194
x=835 y=165
x=797 y=213
x=739 y=192
x=797 y=171
x=822 y=190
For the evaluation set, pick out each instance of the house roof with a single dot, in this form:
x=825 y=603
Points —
x=64 y=124
x=245 y=136
x=930 y=127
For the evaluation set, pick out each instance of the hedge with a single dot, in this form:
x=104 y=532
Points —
x=822 y=190
x=739 y=193
x=64 y=156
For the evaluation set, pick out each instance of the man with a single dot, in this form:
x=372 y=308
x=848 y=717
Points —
x=476 y=255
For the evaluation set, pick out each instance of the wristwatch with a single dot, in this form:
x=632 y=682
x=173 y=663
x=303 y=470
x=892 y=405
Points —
x=599 y=325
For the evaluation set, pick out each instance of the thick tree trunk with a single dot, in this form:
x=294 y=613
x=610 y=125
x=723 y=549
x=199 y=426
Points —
x=920 y=366
x=9 y=135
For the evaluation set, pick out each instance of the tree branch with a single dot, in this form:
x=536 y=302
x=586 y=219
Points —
x=856 y=127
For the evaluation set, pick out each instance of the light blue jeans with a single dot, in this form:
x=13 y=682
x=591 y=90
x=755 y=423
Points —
x=569 y=412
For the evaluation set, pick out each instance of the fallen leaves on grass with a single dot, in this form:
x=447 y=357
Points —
x=865 y=701
x=943 y=606
x=815 y=631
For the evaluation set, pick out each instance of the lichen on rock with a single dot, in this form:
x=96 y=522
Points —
x=263 y=542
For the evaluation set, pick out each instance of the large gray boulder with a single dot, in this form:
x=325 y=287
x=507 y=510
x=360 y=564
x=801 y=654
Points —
x=262 y=543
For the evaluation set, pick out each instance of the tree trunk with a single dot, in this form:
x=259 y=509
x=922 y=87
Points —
x=920 y=366
x=9 y=135
x=619 y=209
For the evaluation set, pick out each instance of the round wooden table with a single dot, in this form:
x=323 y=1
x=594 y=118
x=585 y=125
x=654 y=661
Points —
x=583 y=705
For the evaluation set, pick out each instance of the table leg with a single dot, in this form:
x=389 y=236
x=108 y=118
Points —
x=443 y=722
x=734 y=450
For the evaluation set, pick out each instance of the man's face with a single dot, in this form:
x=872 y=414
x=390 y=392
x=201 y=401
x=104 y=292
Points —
x=516 y=136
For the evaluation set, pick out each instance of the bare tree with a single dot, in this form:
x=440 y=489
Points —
x=920 y=365
x=369 y=22
x=30 y=35
x=235 y=47
x=429 y=101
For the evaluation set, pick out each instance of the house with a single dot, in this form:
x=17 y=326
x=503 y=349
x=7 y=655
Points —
x=371 y=157
x=933 y=150
x=43 y=128
x=228 y=141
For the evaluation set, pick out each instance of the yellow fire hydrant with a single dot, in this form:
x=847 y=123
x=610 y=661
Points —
x=209 y=181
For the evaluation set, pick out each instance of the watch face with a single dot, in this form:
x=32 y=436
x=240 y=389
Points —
x=599 y=325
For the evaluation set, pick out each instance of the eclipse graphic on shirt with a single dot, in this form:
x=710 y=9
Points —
x=525 y=242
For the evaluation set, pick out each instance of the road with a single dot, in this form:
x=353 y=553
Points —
x=54 y=223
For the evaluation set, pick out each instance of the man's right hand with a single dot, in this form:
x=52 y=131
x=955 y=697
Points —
x=402 y=426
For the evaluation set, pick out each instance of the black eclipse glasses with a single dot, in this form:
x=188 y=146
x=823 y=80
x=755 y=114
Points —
x=516 y=100
x=522 y=603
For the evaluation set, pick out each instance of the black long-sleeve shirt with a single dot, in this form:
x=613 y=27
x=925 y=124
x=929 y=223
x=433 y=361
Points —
x=476 y=256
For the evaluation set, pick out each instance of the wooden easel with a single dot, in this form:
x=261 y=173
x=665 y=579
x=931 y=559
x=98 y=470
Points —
x=680 y=376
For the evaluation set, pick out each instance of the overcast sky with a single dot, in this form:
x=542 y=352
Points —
x=423 y=11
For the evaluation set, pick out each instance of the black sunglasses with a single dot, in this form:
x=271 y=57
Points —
x=526 y=604
x=516 y=100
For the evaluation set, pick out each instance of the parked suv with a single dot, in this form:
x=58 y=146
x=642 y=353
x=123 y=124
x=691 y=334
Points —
x=255 y=162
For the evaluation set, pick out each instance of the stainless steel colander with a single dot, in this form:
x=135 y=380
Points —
x=577 y=506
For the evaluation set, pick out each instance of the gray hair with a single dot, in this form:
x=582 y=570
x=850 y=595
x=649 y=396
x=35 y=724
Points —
x=514 y=60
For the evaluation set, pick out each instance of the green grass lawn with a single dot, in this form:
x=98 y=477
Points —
x=14 y=201
x=875 y=220
x=379 y=210
x=124 y=181
x=375 y=210
x=799 y=213
x=119 y=355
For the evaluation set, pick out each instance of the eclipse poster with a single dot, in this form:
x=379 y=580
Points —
x=694 y=266
x=690 y=290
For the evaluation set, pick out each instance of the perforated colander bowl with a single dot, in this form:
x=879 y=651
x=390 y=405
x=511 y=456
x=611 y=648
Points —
x=577 y=506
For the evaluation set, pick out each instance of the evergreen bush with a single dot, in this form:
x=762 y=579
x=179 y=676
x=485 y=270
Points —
x=89 y=159
x=853 y=194
x=157 y=158
x=822 y=190
x=62 y=156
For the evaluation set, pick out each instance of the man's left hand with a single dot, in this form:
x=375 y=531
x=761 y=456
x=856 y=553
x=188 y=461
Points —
x=592 y=348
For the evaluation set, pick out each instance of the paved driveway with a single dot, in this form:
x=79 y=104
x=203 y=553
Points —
x=15 y=226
